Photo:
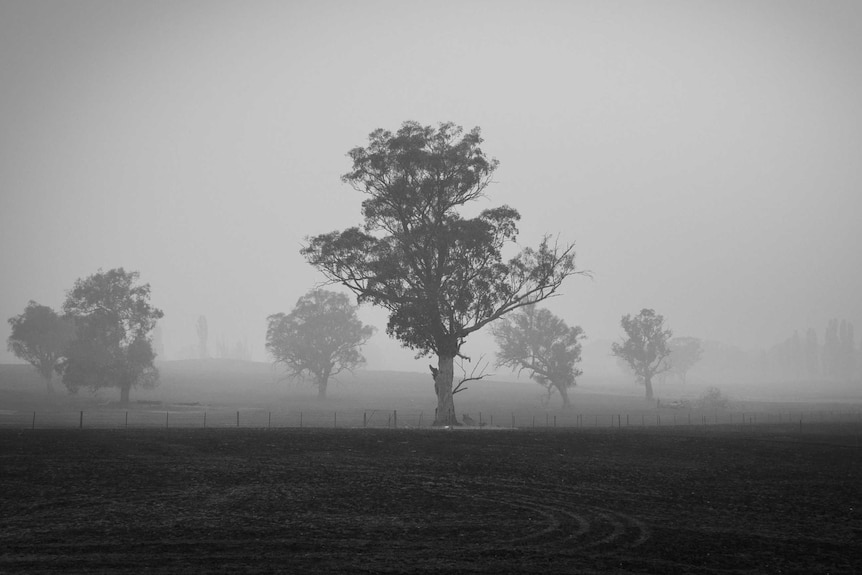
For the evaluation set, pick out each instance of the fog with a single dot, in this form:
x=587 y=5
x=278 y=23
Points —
x=704 y=156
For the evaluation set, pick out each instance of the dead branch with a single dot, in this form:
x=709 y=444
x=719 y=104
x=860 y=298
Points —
x=473 y=375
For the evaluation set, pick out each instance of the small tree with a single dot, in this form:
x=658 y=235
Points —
x=645 y=348
x=321 y=337
x=540 y=342
x=685 y=352
x=440 y=276
x=112 y=348
x=40 y=337
x=203 y=336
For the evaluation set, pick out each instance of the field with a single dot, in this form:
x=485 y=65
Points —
x=761 y=499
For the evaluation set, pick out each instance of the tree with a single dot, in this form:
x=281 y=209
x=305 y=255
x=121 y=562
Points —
x=441 y=276
x=321 y=337
x=540 y=342
x=847 y=353
x=112 y=348
x=645 y=349
x=812 y=354
x=684 y=353
x=40 y=337
x=203 y=335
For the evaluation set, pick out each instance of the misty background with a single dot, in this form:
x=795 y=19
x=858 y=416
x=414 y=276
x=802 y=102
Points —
x=704 y=156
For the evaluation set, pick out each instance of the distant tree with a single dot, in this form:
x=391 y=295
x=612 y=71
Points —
x=441 y=276
x=847 y=351
x=645 y=348
x=685 y=352
x=831 y=350
x=321 y=337
x=812 y=354
x=40 y=337
x=112 y=347
x=540 y=342
x=203 y=336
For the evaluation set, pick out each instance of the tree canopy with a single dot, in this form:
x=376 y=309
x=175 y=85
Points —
x=113 y=317
x=440 y=275
x=321 y=337
x=645 y=347
x=685 y=352
x=538 y=341
x=40 y=337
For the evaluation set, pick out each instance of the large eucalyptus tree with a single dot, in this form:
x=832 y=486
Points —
x=441 y=276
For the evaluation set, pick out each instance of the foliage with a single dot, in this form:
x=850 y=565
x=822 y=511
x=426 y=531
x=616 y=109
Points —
x=538 y=341
x=712 y=398
x=113 y=317
x=685 y=352
x=440 y=275
x=321 y=337
x=645 y=347
x=40 y=337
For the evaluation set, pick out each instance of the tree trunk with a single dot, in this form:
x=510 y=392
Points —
x=321 y=388
x=648 y=385
x=445 y=414
x=49 y=384
x=564 y=393
x=124 y=394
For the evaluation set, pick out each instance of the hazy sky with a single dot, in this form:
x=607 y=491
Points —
x=706 y=157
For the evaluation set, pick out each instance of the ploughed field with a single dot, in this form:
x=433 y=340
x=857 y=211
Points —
x=469 y=501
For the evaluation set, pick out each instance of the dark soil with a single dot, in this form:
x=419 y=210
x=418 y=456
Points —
x=355 y=501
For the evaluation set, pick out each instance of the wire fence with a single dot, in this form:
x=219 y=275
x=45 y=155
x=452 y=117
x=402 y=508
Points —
x=406 y=419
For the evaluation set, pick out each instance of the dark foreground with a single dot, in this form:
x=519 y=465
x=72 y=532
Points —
x=243 y=501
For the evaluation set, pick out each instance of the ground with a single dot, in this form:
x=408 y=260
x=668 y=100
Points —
x=764 y=499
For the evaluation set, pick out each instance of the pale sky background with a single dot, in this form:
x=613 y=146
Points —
x=706 y=157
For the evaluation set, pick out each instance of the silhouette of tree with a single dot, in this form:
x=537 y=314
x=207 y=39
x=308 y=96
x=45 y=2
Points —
x=112 y=348
x=540 y=342
x=441 y=276
x=321 y=337
x=645 y=348
x=40 y=337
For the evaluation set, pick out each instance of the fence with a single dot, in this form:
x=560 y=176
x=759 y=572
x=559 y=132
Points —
x=405 y=419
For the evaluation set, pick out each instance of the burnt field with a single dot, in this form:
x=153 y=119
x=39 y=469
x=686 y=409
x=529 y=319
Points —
x=759 y=500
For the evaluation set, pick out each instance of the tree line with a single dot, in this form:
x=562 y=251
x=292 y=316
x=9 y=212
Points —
x=440 y=275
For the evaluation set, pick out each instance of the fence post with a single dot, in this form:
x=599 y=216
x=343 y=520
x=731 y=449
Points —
x=395 y=418
x=334 y=419
x=555 y=422
x=34 y=421
x=420 y=420
x=546 y=419
x=300 y=420
x=534 y=422
x=365 y=418
x=269 y=421
x=167 y=413
x=480 y=419
x=81 y=421
x=237 y=418
x=513 y=421
x=127 y=420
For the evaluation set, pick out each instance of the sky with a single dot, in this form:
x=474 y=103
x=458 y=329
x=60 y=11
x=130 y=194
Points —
x=705 y=157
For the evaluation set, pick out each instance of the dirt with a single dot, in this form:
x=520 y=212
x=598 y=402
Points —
x=378 y=501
